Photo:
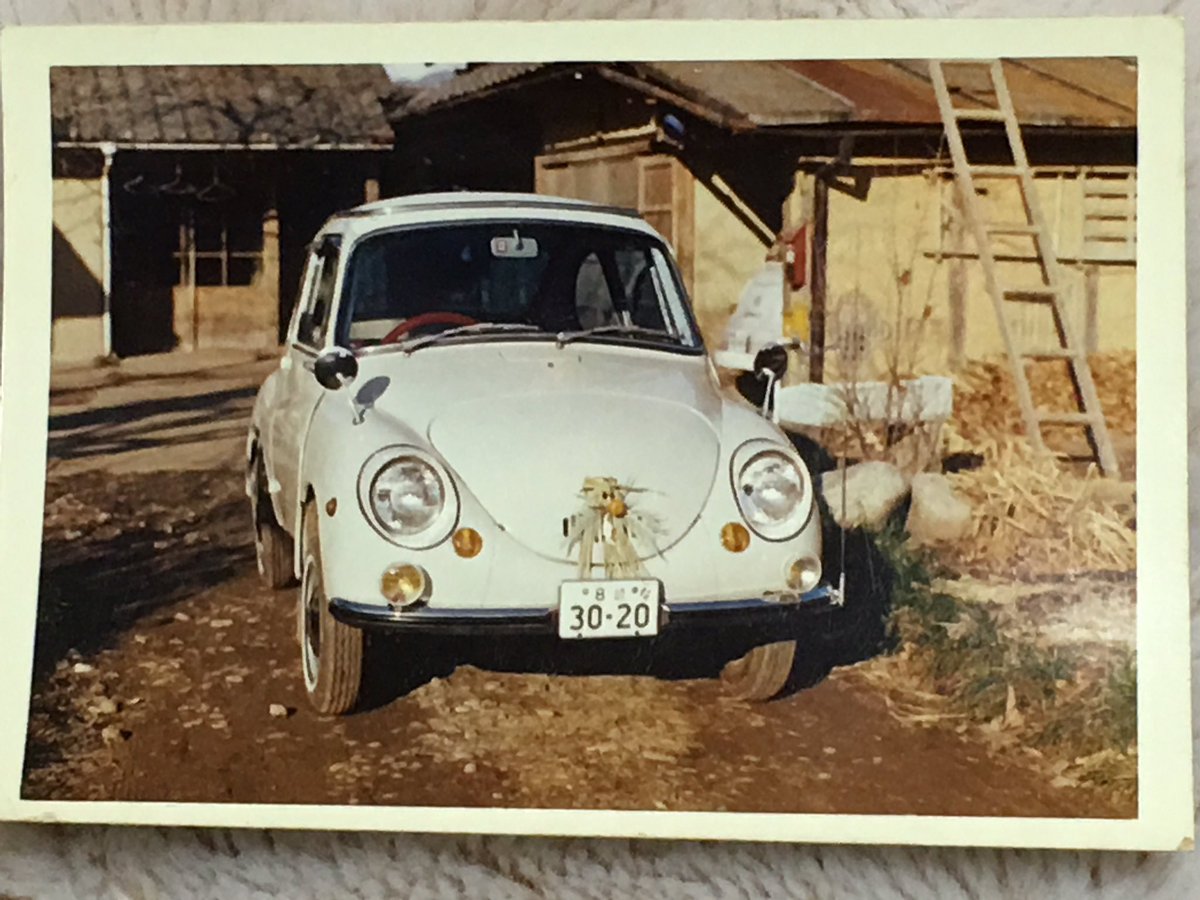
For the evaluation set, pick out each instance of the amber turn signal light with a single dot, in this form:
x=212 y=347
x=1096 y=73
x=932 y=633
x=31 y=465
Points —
x=804 y=573
x=467 y=543
x=734 y=537
x=403 y=585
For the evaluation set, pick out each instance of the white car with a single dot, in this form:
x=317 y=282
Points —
x=495 y=415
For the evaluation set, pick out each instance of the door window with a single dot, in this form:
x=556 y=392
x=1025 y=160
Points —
x=313 y=325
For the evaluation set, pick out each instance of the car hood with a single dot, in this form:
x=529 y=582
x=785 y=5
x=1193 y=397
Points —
x=523 y=426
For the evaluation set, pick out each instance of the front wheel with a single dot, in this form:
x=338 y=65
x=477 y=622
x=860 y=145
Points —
x=272 y=545
x=332 y=653
x=771 y=669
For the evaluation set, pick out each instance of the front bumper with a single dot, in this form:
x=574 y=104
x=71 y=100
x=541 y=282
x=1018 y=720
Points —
x=765 y=614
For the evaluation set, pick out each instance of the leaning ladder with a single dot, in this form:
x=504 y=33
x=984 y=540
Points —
x=1052 y=289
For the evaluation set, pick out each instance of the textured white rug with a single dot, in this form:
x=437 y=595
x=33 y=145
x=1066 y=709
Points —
x=143 y=864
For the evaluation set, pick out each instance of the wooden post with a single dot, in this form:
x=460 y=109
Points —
x=820 y=242
x=370 y=190
x=1091 y=301
x=193 y=293
x=957 y=286
x=184 y=293
x=106 y=246
x=269 y=273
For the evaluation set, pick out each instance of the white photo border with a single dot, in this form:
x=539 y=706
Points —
x=1165 y=818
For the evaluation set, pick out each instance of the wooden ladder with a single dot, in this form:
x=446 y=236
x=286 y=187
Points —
x=1109 y=214
x=1052 y=286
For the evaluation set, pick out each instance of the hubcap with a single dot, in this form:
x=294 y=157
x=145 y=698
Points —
x=310 y=622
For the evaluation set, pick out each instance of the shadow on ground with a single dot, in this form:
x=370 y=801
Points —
x=118 y=548
x=141 y=425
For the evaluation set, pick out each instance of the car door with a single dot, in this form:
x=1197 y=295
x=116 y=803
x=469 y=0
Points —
x=308 y=336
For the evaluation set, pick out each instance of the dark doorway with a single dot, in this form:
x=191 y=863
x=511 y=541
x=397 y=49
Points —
x=144 y=237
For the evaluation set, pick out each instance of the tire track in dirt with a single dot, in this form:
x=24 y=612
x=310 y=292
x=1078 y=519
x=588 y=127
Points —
x=179 y=710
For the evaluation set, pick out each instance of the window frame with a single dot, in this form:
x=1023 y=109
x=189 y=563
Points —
x=324 y=251
x=186 y=256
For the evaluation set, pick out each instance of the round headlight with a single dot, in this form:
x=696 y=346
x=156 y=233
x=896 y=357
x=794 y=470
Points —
x=773 y=494
x=407 y=496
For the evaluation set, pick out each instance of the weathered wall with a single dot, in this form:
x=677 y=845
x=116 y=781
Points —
x=727 y=255
x=242 y=317
x=882 y=282
x=608 y=176
x=77 y=295
x=879 y=285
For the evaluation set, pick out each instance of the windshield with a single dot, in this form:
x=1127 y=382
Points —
x=486 y=281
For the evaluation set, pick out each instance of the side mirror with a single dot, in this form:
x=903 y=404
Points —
x=335 y=368
x=771 y=361
x=770 y=365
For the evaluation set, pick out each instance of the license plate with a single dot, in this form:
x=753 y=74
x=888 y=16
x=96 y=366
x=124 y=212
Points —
x=607 y=609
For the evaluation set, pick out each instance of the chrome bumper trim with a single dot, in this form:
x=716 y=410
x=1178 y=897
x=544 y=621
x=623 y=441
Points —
x=459 y=620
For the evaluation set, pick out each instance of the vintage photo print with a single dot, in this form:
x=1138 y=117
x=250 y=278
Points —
x=768 y=439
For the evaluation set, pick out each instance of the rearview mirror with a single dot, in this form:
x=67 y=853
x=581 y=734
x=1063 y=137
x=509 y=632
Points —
x=514 y=246
x=335 y=368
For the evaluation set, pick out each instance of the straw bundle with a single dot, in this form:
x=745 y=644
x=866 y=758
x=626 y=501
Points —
x=1031 y=517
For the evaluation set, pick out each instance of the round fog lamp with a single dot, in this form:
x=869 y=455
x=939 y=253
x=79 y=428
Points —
x=403 y=585
x=803 y=574
x=734 y=537
x=467 y=542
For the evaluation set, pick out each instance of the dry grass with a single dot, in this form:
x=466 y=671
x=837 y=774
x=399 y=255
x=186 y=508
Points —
x=985 y=401
x=956 y=665
x=1033 y=517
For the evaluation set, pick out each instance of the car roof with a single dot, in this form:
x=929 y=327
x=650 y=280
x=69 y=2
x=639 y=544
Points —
x=467 y=205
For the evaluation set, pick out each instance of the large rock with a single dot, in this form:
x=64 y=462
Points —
x=937 y=514
x=873 y=491
x=916 y=451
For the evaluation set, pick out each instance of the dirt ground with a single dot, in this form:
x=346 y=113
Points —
x=165 y=672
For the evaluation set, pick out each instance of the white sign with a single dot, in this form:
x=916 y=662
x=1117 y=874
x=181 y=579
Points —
x=758 y=319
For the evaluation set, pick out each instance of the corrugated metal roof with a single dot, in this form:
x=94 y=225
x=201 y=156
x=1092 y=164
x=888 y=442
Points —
x=1100 y=92
x=878 y=90
x=288 y=106
x=1092 y=92
x=1115 y=80
x=761 y=93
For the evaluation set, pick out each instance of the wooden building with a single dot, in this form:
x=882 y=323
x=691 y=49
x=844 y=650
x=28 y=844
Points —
x=839 y=167
x=184 y=197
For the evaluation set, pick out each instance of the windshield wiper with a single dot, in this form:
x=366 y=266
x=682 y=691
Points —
x=566 y=337
x=477 y=328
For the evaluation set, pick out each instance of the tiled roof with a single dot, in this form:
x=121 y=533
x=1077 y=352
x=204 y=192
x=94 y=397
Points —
x=286 y=106
x=474 y=80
